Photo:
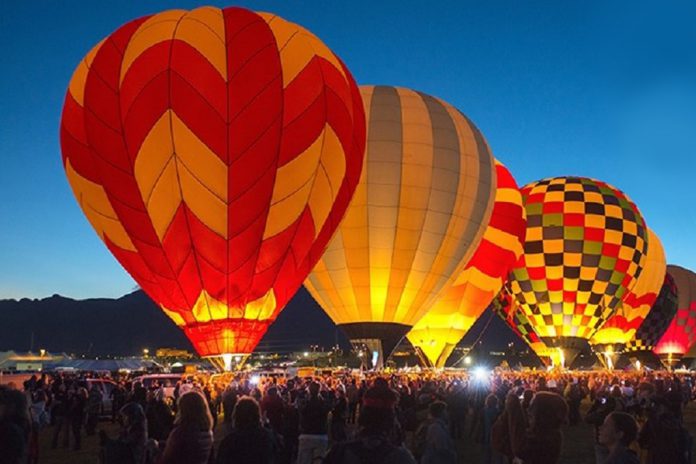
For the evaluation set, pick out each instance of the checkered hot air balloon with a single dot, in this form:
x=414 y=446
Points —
x=632 y=311
x=681 y=333
x=505 y=307
x=657 y=320
x=419 y=212
x=214 y=151
x=585 y=246
x=437 y=333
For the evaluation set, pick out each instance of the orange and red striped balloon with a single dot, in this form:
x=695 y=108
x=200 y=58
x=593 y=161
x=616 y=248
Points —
x=453 y=314
x=214 y=151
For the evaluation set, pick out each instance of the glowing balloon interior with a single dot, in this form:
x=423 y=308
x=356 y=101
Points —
x=214 y=151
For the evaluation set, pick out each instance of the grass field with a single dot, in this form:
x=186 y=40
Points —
x=577 y=446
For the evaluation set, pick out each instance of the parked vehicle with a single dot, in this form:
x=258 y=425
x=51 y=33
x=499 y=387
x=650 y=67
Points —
x=154 y=381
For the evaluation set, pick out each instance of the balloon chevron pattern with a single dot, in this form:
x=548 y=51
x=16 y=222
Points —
x=214 y=151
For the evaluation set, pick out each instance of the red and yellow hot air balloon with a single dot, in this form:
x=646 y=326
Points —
x=420 y=210
x=585 y=246
x=214 y=151
x=437 y=333
x=656 y=322
x=612 y=337
x=681 y=333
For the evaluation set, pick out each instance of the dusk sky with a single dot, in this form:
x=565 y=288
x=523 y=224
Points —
x=599 y=89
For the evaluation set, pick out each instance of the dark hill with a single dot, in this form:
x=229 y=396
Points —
x=126 y=325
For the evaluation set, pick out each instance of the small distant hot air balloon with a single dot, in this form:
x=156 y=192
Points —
x=657 y=320
x=681 y=333
x=585 y=246
x=419 y=212
x=437 y=333
x=612 y=337
x=214 y=151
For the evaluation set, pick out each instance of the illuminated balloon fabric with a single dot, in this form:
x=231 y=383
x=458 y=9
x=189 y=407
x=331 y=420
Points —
x=443 y=326
x=214 y=151
x=585 y=246
x=657 y=320
x=622 y=326
x=504 y=306
x=680 y=336
x=424 y=199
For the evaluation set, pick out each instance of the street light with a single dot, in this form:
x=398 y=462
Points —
x=146 y=352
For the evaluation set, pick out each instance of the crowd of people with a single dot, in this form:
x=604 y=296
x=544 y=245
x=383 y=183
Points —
x=514 y=418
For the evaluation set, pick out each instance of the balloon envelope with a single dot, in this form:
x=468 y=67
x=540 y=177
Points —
x=214 y=151
x=633 y=309
x=450 y=318
x=585 y=246
x=424 y=199
x=681 y=333
x=657 y=320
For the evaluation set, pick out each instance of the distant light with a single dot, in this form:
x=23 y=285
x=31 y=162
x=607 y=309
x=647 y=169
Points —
x=638 y=365
x=480 y=374
x=254 y=380
x=467 y=360
x=306 y=354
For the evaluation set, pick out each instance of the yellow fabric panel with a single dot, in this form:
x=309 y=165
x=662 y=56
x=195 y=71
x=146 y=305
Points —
x=165 y=199
x=292 y=188
x=654 y=270
x=330 y=174
x=204 y=29
x=97 y=208
x=297 y=47
x=158 y=28
x=262 y=308
x=79 y=77
x=416 y=178
x=155 y=153
x=174 y=316
x=199 y=159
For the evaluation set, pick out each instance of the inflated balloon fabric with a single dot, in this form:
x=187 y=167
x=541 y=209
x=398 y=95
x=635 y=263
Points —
x=585 y=246
x=443 y=326
x=680 y=336
x=632 y=311
x=419 y=212
x=214 y=151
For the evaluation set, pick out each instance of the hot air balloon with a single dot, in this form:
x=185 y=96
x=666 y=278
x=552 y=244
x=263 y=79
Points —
x=443 y=326
x=214 y=151
x=505 y=307
x=585 y=246
x=419 y=212
x=612 y=337
x=657 y=320
x=681 y=333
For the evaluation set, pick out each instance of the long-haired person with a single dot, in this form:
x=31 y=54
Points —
x=191 y=439
x=248 y=442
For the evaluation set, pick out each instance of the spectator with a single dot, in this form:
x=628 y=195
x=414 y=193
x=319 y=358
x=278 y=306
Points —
x=376 y=423
x=191 y=440
x=15 y=426
x=617 y=433
x=313 y=440
x=130 y=446
x=439 y=448
x=248 y=442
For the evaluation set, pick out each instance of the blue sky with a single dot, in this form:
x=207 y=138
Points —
x=599 y=89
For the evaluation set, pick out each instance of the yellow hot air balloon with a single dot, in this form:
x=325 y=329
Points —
x=620 y=328
x=453 y=314
x=423 y=201
x=585 y=247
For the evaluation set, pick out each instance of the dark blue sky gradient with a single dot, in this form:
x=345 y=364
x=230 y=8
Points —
x=599 y=89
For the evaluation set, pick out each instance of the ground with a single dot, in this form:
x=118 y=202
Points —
x=577 y=445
